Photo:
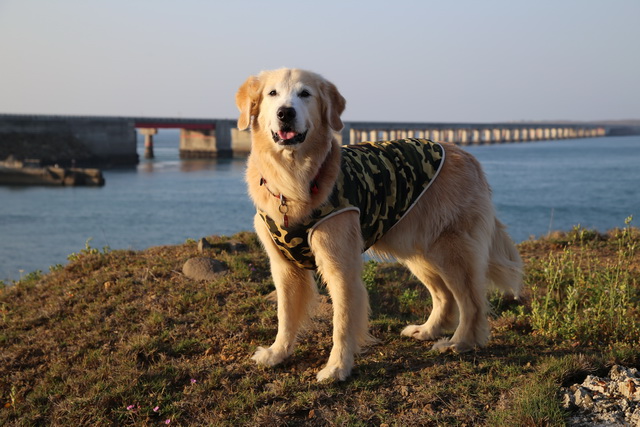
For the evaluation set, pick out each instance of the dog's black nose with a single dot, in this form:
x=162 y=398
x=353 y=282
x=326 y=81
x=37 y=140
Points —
x=286 y=114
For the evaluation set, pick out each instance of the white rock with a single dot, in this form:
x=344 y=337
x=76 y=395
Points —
x=583 y=398
x=595 y=384
x=568 y=399
x=610 y=401
x=618 y=373
x=629 y=388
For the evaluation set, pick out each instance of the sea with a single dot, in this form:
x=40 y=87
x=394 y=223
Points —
x=537 y=187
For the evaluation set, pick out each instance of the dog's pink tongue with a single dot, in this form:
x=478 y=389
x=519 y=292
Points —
x=286 y=135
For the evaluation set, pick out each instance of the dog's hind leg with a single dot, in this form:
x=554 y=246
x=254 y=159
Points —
x=337 y=246
x=297 y=294
x=444 y=314
x=464 y=271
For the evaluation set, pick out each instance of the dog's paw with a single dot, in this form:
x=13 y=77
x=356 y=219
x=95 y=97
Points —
x=446 y=344
x=333 y=373
x=419 y=332
x=268 y=356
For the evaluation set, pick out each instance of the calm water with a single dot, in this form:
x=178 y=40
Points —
x=536 y=186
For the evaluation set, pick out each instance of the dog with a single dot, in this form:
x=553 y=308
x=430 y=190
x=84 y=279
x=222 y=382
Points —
x=448 y=236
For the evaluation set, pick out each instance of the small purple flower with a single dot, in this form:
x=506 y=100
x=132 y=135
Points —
x=193 y=381
x=156 y=409
x=167 y=421
x=130 y=407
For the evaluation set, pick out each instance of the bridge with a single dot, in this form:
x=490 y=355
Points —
x=471 y=133
x=112 y=140
x=198 y=137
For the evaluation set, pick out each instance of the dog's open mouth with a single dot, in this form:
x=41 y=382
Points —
x=288 y=137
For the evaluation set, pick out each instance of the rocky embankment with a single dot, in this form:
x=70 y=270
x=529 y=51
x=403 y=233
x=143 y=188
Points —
x=610 y=401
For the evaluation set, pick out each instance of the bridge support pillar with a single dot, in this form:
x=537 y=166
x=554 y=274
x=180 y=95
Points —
x=148 y=141
x=198 y=144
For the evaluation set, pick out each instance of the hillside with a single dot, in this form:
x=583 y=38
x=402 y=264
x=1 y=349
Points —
x=124 y=338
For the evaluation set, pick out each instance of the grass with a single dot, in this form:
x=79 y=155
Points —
x=586 y=300
x=120 y=337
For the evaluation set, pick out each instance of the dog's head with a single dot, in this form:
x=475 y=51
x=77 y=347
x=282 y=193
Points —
x=289 y=106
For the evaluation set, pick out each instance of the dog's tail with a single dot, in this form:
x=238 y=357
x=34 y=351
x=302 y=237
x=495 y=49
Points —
x=505 y=264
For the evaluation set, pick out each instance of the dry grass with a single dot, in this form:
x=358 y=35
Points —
x=122 y=337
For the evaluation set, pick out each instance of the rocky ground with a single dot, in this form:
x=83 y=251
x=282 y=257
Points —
x=613 y=400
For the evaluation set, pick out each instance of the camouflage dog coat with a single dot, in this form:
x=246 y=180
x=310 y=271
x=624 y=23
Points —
x=380 y=180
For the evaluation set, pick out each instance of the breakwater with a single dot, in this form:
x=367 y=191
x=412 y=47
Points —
x=22 y=173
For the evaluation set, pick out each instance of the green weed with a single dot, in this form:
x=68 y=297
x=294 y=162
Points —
x=88 y=250
x=369 y=275
x=408 y=299
x=577 y=297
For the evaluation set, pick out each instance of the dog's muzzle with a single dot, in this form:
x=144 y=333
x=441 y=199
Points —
x=286 y=135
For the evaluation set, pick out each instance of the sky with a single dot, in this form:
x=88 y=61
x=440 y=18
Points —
x=401 y=60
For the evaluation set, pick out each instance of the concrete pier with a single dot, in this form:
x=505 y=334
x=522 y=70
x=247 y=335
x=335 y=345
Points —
x=148 y=141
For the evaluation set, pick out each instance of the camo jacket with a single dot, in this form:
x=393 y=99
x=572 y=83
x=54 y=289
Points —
x=380 y=180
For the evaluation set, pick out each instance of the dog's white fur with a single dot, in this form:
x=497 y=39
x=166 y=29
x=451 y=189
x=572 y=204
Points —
x=451 y=240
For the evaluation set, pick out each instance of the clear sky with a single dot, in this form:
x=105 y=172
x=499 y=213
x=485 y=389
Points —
x=393 y=60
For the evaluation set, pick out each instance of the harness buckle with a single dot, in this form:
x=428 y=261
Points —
x=283 y=208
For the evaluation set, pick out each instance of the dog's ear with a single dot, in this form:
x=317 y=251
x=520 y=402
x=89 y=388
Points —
x=248 y=102
x=333 y=106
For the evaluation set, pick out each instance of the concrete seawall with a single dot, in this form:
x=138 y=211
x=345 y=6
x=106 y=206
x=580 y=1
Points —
x=68 y=140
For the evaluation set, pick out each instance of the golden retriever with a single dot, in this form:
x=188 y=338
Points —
x=450 y=239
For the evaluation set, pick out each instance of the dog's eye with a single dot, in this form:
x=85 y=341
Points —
x=304 y=94
x=273 y=93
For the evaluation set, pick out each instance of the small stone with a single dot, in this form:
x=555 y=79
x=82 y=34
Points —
x=583 y=397
x=617 y=372
x=203 y=268
x=630 y=388
x=620 y=373
x=203 y=244
x=568 y=400
x=595 y=384
x=624 y=404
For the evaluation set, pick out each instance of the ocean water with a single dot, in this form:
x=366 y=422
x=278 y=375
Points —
x=537 y=187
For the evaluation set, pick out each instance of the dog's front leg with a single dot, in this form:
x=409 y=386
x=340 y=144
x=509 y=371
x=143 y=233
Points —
x=297 y=293
x=337 y=246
